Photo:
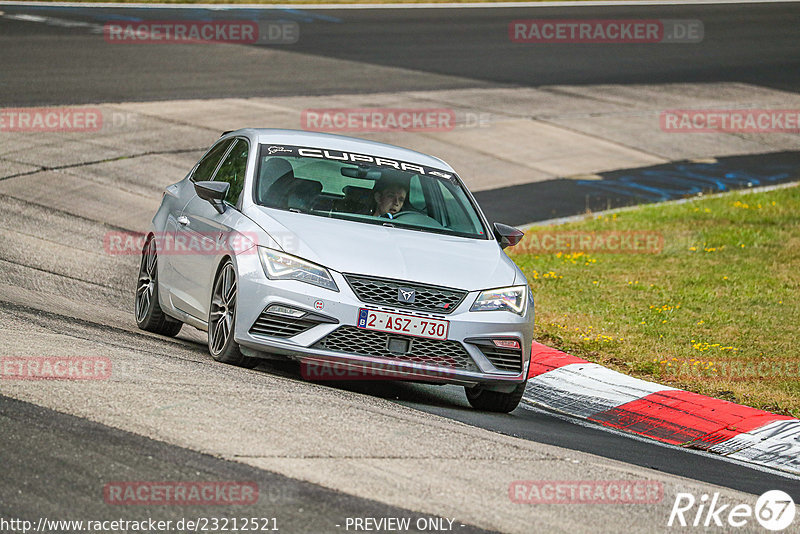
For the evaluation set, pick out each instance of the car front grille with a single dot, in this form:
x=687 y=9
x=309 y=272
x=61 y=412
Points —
x=432 y=299
x=441 y=353
x=502 y=358
x=270 y=324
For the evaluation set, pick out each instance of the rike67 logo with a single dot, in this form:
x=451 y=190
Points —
x=774 y=510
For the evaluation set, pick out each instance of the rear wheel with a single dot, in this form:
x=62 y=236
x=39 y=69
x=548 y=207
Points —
x=495 y=401
x=222 y=319
x=149 y=315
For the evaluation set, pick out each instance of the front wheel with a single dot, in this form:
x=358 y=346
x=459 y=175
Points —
x=222 y=319
x=495 y=401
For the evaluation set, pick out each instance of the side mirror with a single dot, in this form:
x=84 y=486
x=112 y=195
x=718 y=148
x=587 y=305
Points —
x=213 y=192
x=508 y=236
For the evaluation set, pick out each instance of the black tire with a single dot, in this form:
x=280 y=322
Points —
x=147 y=309
x=495 y=401
x=222 y=320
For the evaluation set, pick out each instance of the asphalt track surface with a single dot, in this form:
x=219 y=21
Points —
x=46 y=453
x=628 y=187
x=435 y=48
x=88 y=455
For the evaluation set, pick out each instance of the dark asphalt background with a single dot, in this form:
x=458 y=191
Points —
x=45 y=64
x=551 y=199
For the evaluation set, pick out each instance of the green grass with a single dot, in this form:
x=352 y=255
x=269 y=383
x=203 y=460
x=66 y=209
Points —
x=724 y=289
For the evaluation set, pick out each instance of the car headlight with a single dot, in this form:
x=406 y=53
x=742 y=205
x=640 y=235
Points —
x=505 y=298
x=281 y=266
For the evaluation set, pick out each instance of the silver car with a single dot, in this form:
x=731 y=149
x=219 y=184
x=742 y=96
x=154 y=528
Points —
x=356 y=258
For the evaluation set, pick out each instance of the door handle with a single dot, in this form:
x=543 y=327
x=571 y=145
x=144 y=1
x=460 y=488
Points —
x=183 y=220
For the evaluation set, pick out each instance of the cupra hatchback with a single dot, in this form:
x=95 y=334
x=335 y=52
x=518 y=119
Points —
x=342 y=254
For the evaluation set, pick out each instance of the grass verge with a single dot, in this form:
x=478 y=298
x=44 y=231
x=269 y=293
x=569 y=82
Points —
x=715 y=311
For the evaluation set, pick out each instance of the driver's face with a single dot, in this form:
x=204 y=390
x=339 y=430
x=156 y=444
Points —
x=390 y=201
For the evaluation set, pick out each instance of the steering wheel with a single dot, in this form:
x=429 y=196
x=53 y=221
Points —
x=415 y=217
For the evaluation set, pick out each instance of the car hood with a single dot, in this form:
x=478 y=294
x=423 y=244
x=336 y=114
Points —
x=375 y=250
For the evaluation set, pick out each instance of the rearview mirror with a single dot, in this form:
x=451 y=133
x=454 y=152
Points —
x=213 y=192
x=365 y=173
x=508 y=236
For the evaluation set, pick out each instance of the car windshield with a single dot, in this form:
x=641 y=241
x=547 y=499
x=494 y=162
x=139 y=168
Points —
x=364 y=188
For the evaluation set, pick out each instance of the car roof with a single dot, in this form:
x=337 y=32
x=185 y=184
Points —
x=339 y=142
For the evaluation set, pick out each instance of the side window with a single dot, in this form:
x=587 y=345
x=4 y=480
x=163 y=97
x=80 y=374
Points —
x=232 y=171
x=205 y=169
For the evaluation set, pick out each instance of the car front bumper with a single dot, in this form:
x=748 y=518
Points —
x=328 y=337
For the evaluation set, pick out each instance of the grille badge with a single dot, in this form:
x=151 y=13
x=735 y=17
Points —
x=406 y=296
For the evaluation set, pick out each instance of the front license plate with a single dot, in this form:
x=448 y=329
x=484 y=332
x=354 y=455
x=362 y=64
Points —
x=400 y=323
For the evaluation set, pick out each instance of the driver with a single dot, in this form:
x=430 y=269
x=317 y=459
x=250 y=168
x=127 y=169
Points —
x=389 y=194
